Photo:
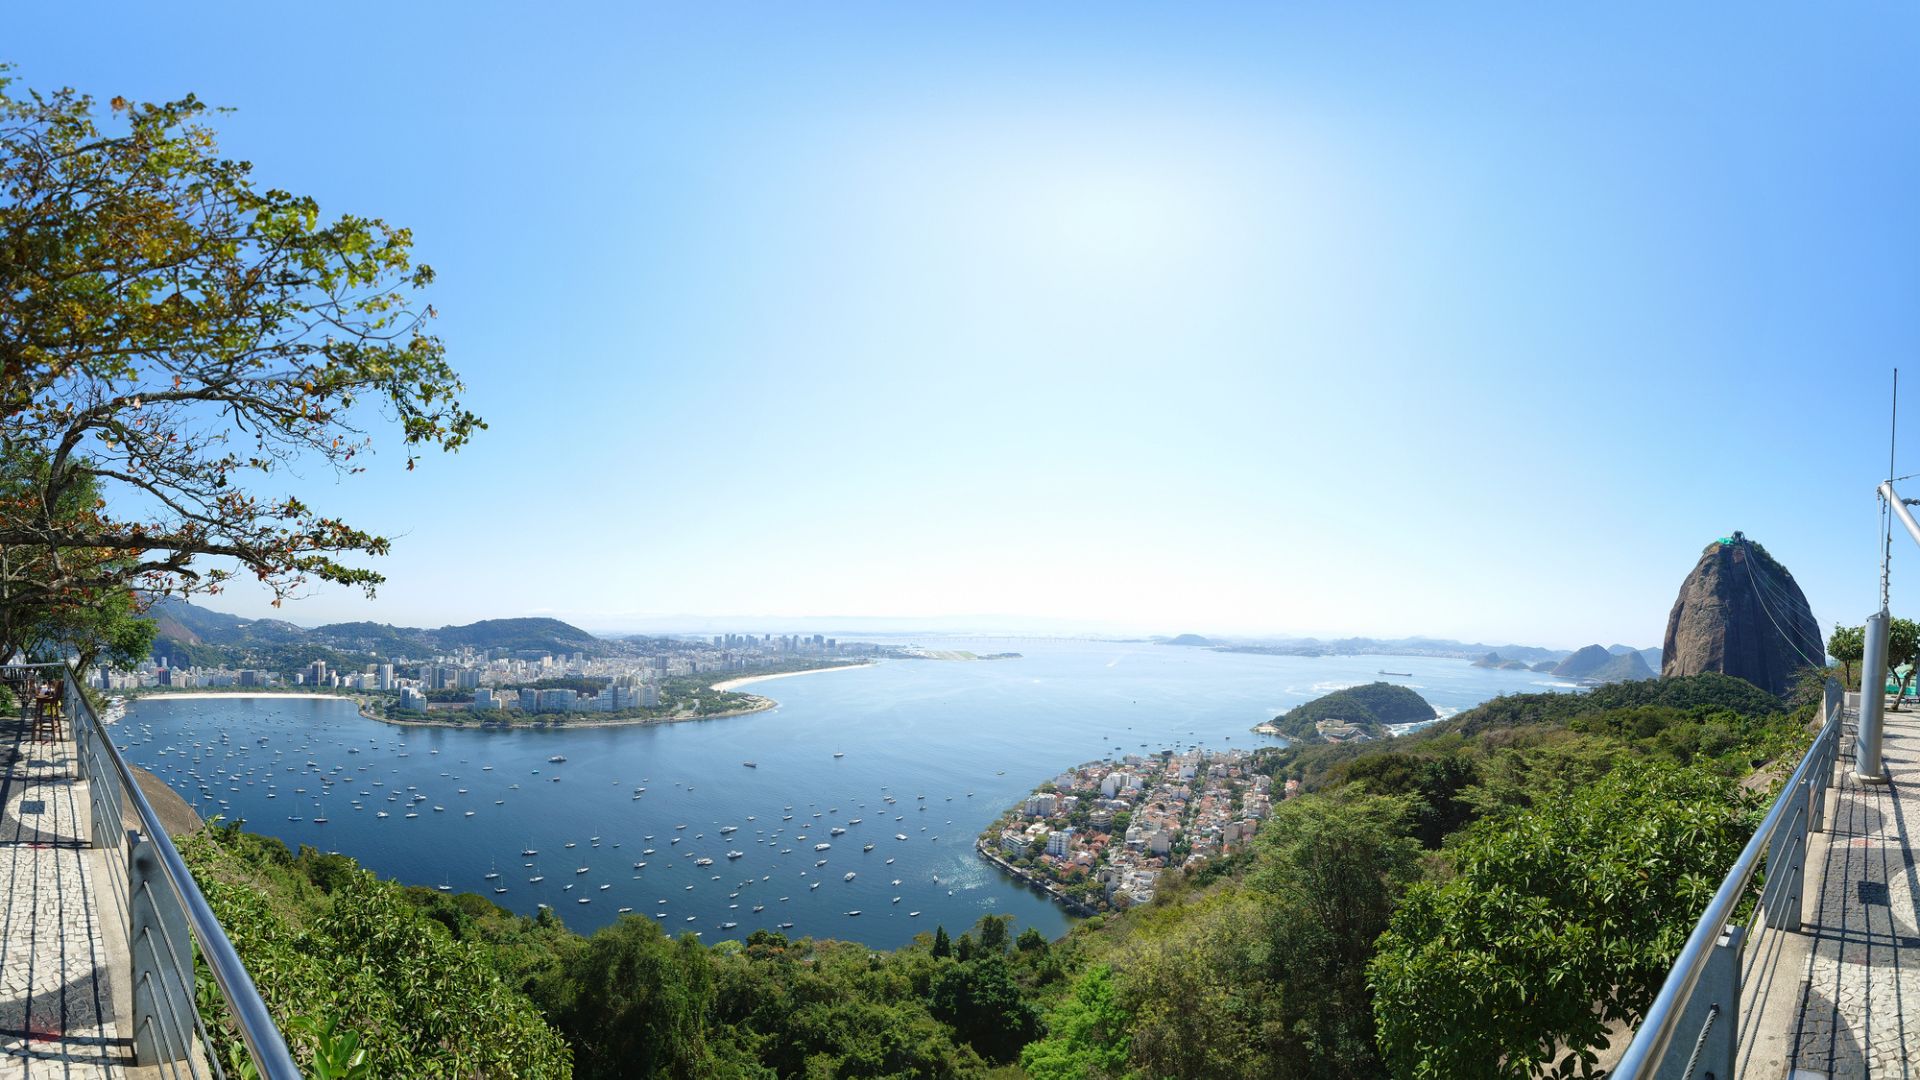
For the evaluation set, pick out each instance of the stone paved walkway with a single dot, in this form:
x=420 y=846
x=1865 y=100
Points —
x=1863 y=962
x=56 y=1008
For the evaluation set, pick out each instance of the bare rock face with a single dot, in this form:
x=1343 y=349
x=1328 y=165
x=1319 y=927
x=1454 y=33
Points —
x=1741 y=613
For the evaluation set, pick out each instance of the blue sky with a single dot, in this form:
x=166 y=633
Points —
x=1477 y=322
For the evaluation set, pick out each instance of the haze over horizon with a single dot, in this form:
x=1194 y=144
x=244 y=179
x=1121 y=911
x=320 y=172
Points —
x=946 y=626
x=1178 y=322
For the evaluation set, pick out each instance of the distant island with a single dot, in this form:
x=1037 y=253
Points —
x=1354 y=714
x=1593 y=664
x=1597 y=664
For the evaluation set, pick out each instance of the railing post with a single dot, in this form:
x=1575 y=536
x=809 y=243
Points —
x=1833 y=701
x=156 y=928
x=1707 y=1036
x=1792 y=870
x=102 y=784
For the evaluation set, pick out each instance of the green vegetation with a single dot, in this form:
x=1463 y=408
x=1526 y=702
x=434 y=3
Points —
x=193 y=635
x=1524 y=955
x=1595 y=663
x=1849 y=646
x=1903 y=650
x=334 y=949
x=429 y=984
x=1370 y=708
x=1411 y=915
x=162 y=354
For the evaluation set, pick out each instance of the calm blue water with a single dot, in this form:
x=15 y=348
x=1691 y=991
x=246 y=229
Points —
x=972 y=737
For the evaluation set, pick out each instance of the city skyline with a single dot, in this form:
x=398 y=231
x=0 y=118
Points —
x=1180 y=322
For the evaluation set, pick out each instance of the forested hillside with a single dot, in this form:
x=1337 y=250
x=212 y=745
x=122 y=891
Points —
x=1370 y=708
x=188 y=634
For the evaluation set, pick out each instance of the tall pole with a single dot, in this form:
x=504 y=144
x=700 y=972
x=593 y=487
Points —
x=1867 y=767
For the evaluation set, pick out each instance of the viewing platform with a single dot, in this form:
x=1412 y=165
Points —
x=62 y=1008
x=1845 y=982
x=1806 y=962
x=102 y=922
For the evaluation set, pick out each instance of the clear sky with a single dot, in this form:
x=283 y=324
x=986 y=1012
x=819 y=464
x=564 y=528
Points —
x=1471 y=321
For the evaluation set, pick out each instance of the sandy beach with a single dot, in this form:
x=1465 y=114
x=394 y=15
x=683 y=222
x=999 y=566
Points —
x=744 y=680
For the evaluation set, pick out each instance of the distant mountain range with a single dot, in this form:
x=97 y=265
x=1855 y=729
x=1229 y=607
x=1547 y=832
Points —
x=1524 y=656
x=1595 y=663
x=183 y=624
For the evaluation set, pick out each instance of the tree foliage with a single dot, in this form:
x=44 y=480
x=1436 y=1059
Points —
x=636 y=1003
x=979 y=998
x=1848 y=644
x=1331 y=874
x=1560 y=920
x=1903 y=650
x=354 y=957
x=1087 y=1034
x=174 y=336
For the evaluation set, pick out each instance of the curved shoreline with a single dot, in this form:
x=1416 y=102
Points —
x=760 y=704
x=725 y=685
x=1044 y=887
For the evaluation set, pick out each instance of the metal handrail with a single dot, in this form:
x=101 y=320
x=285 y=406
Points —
x=1654 y=1035
x=250 y=1014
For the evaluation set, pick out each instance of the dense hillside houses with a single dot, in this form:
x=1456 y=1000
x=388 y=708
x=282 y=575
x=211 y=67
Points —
x=1100 y=835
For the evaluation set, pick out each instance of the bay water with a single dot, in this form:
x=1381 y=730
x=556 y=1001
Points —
x=952 y=742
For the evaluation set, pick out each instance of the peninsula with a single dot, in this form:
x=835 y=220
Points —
x=496 y=673
x=1098 y=837
x=543 y=704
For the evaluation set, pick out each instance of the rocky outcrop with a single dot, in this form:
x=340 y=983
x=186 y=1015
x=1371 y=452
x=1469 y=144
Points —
x=1741 y=613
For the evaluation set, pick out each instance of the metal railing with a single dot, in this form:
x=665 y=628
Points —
x=1693 y=1027
x=168 y=921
